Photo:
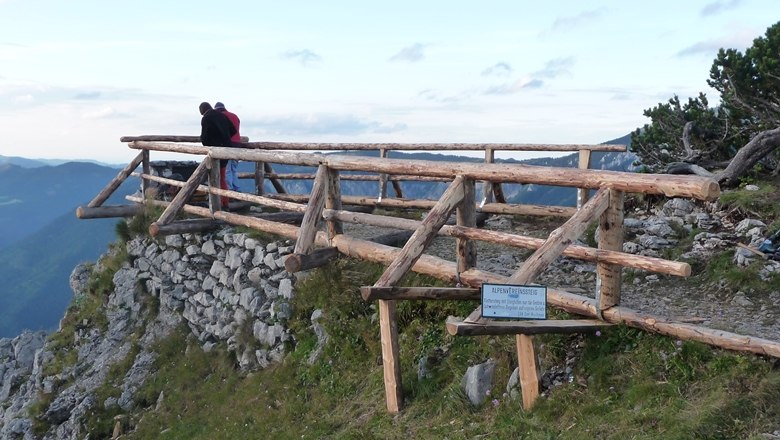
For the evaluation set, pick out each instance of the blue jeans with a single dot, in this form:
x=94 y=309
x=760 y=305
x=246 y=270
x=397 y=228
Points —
x=231 y=175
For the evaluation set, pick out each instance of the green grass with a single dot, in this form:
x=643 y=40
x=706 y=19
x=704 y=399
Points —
x=630 y=384
x=764 y=203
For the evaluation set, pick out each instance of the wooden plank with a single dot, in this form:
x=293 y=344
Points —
x=85 y=212
x=431 y=146
x=109 y=189
x=185 y=193
x=527 y=327
x=466 y=216
x=609 y=276
x=584 y=164
x=300 y=262
x=373 y=293
x=670 y=185
x=195 y=225
x=556 y=243
x=305 y=241
x=424 y=234
x=333 y=201
x=447 y=270
x=641 y=262
x=537 y=210
x=528 y=366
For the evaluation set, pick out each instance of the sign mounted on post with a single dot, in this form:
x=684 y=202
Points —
x=514 y=301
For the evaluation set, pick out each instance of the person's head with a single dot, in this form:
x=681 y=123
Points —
x=204 y=107
x=219 y=106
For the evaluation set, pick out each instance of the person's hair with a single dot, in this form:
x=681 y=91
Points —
x=204 y=107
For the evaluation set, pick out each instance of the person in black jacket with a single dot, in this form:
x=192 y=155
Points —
x=216 y=131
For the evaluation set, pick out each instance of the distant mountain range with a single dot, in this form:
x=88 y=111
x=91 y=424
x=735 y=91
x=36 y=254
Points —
x=35 y=163
x=41 y=240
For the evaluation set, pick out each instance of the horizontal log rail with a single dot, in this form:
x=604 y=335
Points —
x=358 y=177
x=585 y=253
x=447 y=270
x=108 y=211
x=697 y=187
x=260 y=200
x=317 y=146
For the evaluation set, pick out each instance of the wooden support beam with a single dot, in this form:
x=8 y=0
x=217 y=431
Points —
x=411 y=252
x=466 y=216
x=277 y=184
x=109 y=189
x=185 y=193
x=609 y=276
x=446 y=270
x=85 y=212
x=394 y=239
x=359 y=177
x=333 y=201
x=319 y=257
x=557 y=242
x=584 y=164
x=319 y=193
x=537 y=210
x=397 y=188
x=641 y=262
x=306 y=146
x=456 y=327
x=424 y=234
x=372 y=293
x=528 y=369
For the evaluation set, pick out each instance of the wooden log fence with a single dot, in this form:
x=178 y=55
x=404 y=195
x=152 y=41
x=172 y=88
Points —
x=325 y=203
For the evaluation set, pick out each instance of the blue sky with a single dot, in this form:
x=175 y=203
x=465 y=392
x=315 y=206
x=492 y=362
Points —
x=77 y=75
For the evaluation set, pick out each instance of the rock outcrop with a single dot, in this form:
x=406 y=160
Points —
x=227 y=288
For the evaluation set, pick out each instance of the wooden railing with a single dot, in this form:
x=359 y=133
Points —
x=324 y=203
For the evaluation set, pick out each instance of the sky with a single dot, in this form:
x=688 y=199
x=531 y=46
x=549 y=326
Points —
x=77 y=75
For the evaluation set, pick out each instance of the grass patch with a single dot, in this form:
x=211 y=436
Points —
x=764 y=203
x=721 y=267
x=629 y=384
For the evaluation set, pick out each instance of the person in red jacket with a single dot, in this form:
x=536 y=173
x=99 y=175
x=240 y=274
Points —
x=216 y=131
x=231 y=171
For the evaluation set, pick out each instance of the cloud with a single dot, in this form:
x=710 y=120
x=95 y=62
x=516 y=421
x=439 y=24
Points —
x=581 y=19
x=107 y=113
x=305 y=56
x=739 y=39
x=88 y=95
x=554 y=68
x=498 y=69
x=320 y=124
x=412 y=54
x=719 y=6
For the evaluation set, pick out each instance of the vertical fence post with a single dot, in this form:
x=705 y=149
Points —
x=528 y=366
x=215 y=201
x=259 y=178
x=584 y=164
x=487 y=189
x=608 y=276
x=333 y=201
x=146 y=170
x=382 y=178
x=466 y=215
x=319 y=193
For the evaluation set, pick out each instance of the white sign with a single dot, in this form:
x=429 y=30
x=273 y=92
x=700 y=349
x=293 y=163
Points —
x=514 y=301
